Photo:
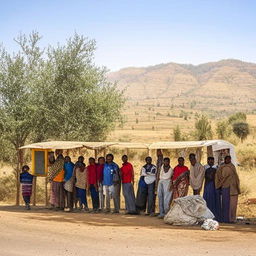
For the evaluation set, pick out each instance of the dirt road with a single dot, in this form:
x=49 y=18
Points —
x=43 y=232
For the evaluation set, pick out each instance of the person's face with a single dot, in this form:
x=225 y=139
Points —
x=181 y=161
x=227 y=160
x=58 y=152
x=109 y=159
x=91 y=161
x=166 y=162
x=80 y=159
x=101 y=161
x=210 y=162
x=192 y=160
x=67 y=159
x=125 y=159
x=149 y=160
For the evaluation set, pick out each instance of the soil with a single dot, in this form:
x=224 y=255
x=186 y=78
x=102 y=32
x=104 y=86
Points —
x=45 y=232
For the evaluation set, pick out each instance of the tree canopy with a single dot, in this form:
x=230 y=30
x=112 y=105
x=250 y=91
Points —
x=55 y=93
x=203 y=129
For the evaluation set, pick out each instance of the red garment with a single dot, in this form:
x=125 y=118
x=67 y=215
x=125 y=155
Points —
x=92 y=174
x=99 y=169
x=127 y=173
x=178 y=170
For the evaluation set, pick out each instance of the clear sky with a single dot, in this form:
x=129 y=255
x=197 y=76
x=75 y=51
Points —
x=140 y=32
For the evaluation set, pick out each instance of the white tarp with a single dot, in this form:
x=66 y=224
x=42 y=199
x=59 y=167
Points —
x=188 y=210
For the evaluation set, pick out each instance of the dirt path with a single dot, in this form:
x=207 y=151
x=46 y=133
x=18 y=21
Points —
x=43 y=232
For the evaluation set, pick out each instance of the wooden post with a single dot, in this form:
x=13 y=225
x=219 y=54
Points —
x=46 y=192
x=34 y=191
x=95 y=154
x=199 y=154
x=17 y=172
x=209 y=151
x=104 y=152
x=127 y=151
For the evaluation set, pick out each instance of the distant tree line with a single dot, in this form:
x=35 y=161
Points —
x=236 y=123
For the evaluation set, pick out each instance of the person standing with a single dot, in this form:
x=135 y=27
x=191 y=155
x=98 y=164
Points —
x=209 y=194
x=180 y=179
x=68 y=181
x=80 y=175
x=228 y=187
x=111 y=183
x=56 y=175
x=163 y=191
x=99 y=168
x=93 y=184
x=26 y=180
x=146 y=188
x=196 y=175
x=127 y=176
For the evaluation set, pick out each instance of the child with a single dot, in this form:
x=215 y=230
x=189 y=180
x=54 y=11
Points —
x=80 y=175
x=26 y=180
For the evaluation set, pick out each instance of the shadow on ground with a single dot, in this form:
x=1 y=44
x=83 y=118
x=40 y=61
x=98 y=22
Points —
x=115 y=220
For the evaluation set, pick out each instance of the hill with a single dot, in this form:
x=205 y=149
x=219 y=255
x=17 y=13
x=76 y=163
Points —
x=219 y=88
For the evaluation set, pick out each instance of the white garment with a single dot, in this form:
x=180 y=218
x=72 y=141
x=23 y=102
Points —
x=150 y=177
x=165 y=175
x=197 y=173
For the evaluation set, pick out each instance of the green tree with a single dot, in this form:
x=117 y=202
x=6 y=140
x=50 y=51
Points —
x=239 y=116
x=75 y=101
x=223 y=129
x=177 y=133
x=56 y=94
x=241 y=130
x=203 y=128
x=19 y=73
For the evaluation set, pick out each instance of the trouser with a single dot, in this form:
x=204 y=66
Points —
x=69 y=199
x=112 y=191
x=196 y=191
x=58 y=191
x=26 y=199
x=129 y=197
x=164 y=196
x=233 y=208
x=151 y=198
x=101 y=197
x=81 y=195
x=223 y=205
x=95 y=197
x=116 y=196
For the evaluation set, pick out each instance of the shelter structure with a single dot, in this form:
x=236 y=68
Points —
x=40 y=151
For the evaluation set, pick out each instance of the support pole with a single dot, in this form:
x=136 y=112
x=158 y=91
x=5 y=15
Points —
x=95 y=154
x=34 y=191
x=209 y=151
x=46 y=192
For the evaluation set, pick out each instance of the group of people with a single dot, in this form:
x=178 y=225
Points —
x=71 y=183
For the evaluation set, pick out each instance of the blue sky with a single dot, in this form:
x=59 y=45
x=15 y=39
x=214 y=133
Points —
x=142 y=32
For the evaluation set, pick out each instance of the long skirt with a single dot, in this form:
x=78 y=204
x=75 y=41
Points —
x=181 y=189
x=164 y=196
x=26 y=189
x=210 y=197
x=58 y=193
x=223 y=205
x=141 y=198
x=129 y=197
x=233 y=208
x=146 y=197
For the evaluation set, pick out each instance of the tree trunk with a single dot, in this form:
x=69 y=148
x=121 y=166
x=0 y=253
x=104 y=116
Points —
x=20 y=161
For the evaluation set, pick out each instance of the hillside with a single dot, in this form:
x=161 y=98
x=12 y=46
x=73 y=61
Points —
x=219 y=88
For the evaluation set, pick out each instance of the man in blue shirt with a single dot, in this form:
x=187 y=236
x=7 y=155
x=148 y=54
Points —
x=111 y=183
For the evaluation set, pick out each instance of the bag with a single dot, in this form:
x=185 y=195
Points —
x=116 y=177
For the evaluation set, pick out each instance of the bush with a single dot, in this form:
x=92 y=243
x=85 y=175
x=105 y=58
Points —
x=7 y=188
